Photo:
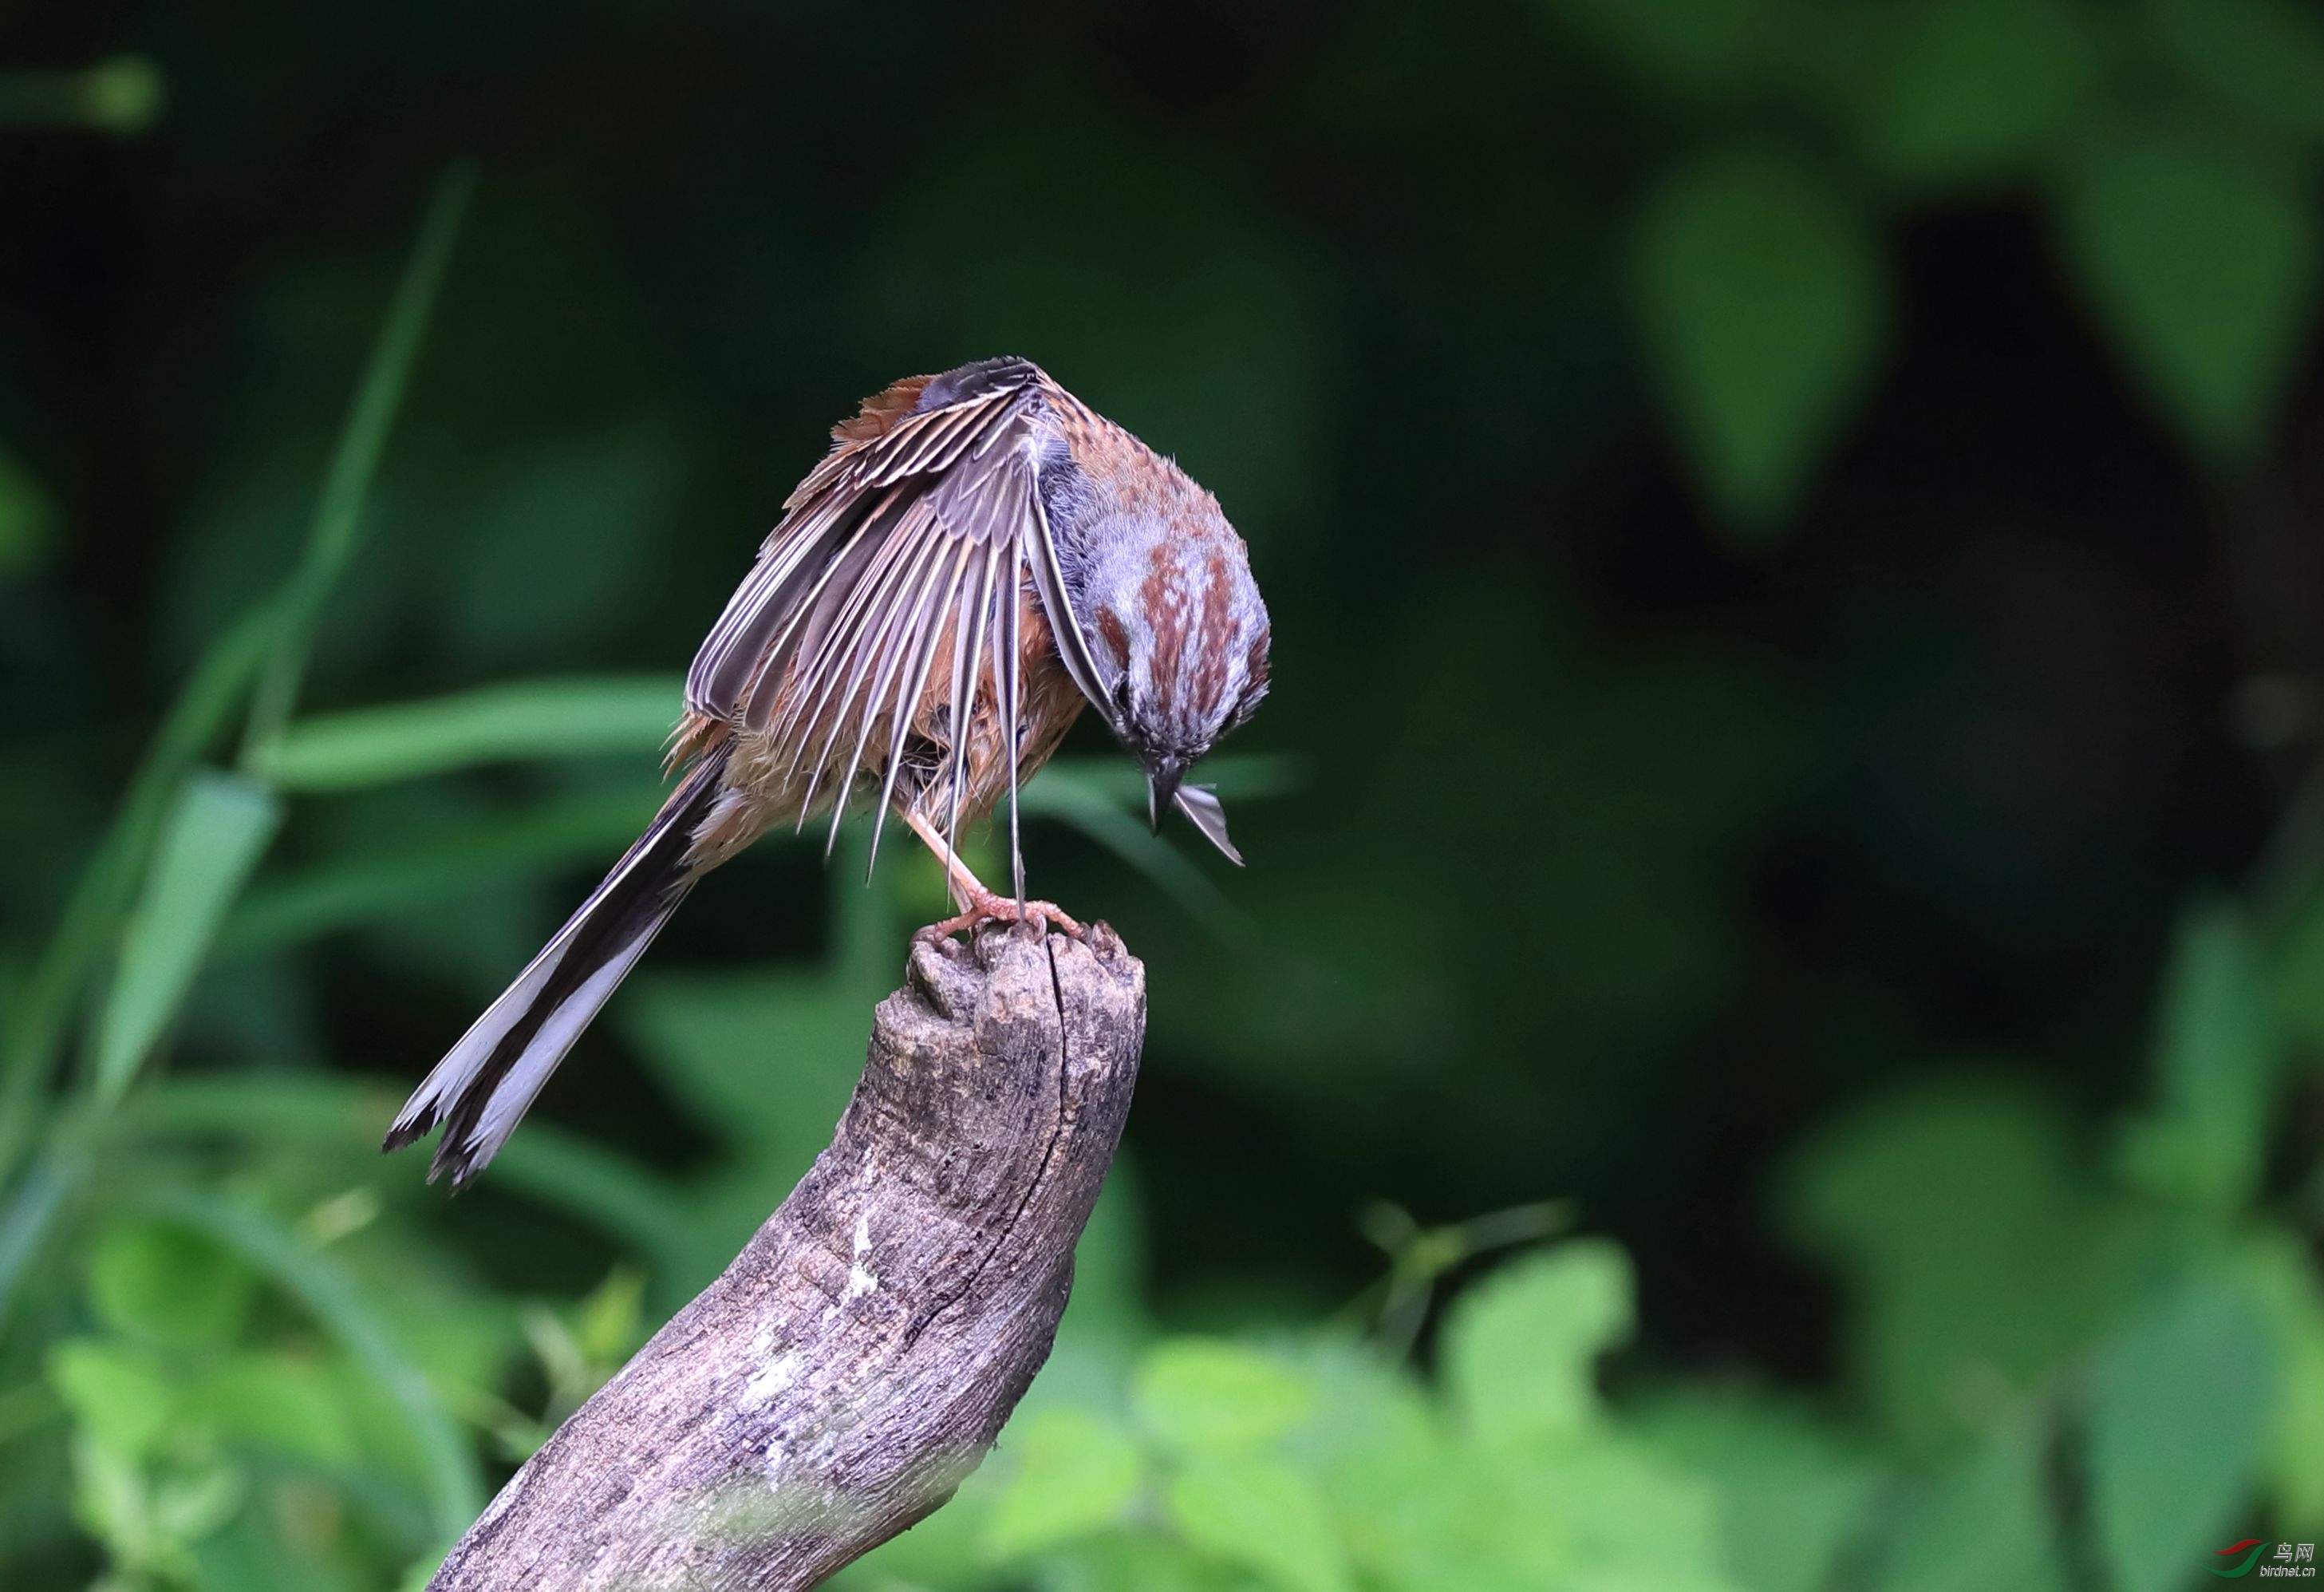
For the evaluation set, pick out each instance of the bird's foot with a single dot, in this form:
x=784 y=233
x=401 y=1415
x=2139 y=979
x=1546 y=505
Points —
x=984 y=907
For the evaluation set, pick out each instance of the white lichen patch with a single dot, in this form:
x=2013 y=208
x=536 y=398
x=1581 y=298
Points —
x=860 y=1278
x=769 y=1380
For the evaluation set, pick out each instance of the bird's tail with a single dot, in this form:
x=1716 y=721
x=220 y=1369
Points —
x=480 y=1089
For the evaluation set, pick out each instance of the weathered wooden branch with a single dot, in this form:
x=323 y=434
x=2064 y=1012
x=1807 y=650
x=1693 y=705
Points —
x=860 y=1356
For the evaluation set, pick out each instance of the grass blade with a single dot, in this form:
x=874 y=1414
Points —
x=542 y=718
x=271 y=639
x=214 y=838
x=108 y=883
x=367 y=886
x=32 y=1205
x=276 y=1108
x=333 y=534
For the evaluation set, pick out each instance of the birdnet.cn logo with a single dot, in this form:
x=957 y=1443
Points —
x=2274 y=1559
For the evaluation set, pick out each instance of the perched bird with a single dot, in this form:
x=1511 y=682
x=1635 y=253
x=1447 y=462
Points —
x=979 y=556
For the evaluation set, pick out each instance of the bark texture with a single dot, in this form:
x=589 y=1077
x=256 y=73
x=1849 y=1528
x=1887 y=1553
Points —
x=860 y=1356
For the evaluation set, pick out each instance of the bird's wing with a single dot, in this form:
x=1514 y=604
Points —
x=921 y=524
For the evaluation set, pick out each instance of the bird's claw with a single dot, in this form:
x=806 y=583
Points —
x=1003 y=909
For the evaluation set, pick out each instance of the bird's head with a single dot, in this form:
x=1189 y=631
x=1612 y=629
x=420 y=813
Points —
x=1179 y=634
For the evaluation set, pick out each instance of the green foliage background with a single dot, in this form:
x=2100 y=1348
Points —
x=1769 y=1040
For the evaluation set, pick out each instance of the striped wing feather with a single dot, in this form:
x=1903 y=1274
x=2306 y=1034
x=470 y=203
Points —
x=903 y=553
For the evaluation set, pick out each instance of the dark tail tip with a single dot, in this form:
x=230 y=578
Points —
x=484 y=1084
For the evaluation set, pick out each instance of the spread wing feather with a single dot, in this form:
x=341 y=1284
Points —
x=921 y=524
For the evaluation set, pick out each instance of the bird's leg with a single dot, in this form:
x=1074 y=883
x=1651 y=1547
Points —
x=960 y=882
x=978 y=905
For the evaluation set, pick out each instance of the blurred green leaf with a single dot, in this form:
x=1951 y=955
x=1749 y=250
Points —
x=1521 y=1347
x=2206 y=1143
x=333 y=533
x=1591 y=1509
x=1763 y=300
x=1680 y=47
x=109 y=1500
x=1601 y=1509
x=322 y=1284
x=578 y=1350
x=547 y=718
x=289 y=1405
x=207 y=850
x=1076 y=1474
x=2180 y=1408
x=1792 y=1492
x=125 y=95
x=154 y=1280
x=1984 y=1522
x=122 y=96
x=1973 y=87
x=610 y=1321
x=150 y=1519
x=2201 y=262
x=1209 y=1395
x=2264 y=56
x=2295 y=957
x=944 y=1551
x=118 y=1395
x=1107 y=1312
x=28 y=520
x=2278 y=1269
x=1976 y=1256
x=1375 y=1427
x=1258 y=1511
x=298 y=1544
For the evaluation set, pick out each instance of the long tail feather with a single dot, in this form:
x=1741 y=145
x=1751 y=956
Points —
x=485 y=1082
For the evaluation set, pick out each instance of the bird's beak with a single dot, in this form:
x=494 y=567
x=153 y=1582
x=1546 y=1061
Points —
x=1162 y=789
